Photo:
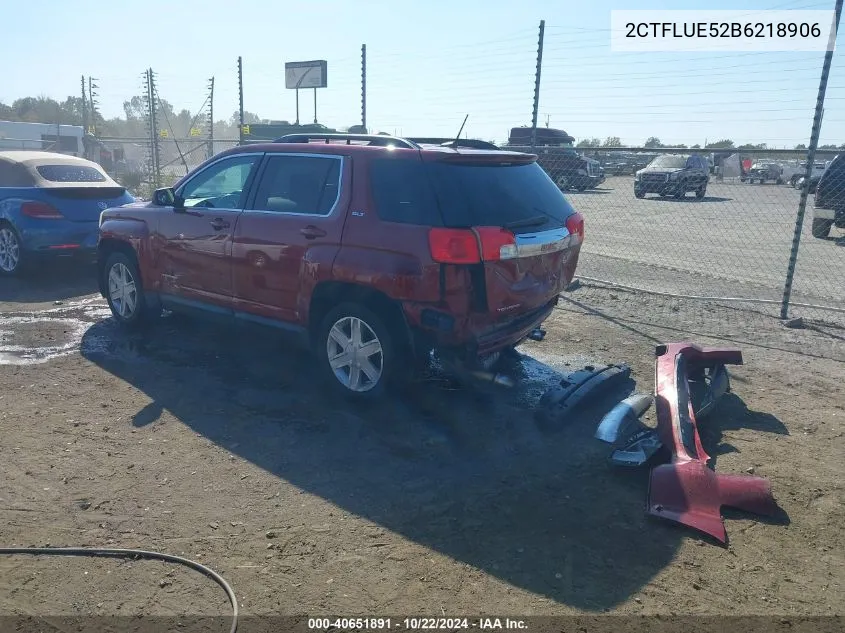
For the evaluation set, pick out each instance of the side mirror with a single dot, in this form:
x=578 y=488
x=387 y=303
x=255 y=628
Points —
x=164 y=197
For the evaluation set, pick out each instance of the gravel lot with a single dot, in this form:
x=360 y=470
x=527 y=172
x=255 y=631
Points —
x=735 y=242
x=218 y=444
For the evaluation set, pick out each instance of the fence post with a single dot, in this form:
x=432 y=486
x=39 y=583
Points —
x=537 y=85
x=364 y=87
x=811 y=157
x=240 y=101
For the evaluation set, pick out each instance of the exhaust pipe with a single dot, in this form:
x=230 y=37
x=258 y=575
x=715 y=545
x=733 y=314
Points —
x=497 y=379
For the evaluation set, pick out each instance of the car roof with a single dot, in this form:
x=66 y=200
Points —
x=36 y=157
x=350 y=149
x=342 y=148
x=18 y=168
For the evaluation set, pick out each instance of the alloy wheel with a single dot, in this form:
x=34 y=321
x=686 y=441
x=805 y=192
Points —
x=10 y=250
x=123 y=291
x=355 y=354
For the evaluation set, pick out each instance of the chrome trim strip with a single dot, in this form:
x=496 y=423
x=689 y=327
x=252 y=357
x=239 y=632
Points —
x=551 y=241
x=628 y=411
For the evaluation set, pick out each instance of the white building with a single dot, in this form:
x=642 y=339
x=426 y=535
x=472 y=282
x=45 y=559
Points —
x=51 y=137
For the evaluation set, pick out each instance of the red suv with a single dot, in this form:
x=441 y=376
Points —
x=373 y=249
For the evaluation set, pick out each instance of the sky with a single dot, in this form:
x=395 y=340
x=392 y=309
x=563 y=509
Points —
x=429 y=64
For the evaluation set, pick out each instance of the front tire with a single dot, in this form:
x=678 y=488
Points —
x=821 y=227
x=125 y=291
x=638 y=193
x=356 y=352
x=700 y=192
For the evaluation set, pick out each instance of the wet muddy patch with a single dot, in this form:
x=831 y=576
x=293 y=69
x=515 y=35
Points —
x=37 y=337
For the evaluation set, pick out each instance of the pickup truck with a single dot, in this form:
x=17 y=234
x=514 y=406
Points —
x=818 y=170
x=764 y=172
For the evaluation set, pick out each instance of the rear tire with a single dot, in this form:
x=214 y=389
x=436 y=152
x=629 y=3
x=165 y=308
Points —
x=356 y=353
x=125 y=292
x=12 y=262
x=700 y=192
x=821 y=227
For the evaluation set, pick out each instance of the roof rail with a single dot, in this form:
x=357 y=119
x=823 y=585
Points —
x=450 y=142
x=377 y=140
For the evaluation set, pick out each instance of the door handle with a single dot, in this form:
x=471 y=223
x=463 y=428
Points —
x=312 y=232
x=219 y=223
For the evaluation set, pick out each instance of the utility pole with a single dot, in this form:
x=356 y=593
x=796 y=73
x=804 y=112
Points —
x=364 y=87
x=92 y=100
x=241 y=100
x=148 y=101
x=537 y=85
x=155 y=156
x=84 y=108
x=211 y=118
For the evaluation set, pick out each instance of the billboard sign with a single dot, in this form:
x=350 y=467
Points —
x=305 y=74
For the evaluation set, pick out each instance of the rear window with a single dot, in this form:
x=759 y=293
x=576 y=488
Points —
x=70 y=173
x=837 y=166
x=519 y=197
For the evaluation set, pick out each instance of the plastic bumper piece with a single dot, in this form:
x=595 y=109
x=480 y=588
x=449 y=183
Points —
x=687 y=490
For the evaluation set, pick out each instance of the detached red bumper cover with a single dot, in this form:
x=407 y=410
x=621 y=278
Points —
x=687 y=490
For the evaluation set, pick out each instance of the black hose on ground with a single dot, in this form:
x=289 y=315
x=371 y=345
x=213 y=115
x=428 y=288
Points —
x=134 y=554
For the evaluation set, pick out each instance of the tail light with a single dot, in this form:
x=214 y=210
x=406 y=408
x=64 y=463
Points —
x=453 y=246
x=575 y=225
x=496 y=243
x=40 y=210
x=471 y=246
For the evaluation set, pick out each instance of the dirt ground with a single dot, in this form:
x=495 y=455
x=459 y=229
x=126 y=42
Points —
x=219 y=445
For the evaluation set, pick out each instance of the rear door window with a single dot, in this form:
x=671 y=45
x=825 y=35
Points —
x=299 y=184
x=402 y=192
x=521 y=198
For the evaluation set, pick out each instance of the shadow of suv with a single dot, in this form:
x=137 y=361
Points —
x=673 y=175
x=829 y=202
x=372 y=250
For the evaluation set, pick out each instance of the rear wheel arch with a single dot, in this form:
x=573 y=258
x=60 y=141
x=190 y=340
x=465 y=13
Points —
x=327 y=295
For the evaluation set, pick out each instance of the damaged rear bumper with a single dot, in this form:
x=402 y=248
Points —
x=687 y=490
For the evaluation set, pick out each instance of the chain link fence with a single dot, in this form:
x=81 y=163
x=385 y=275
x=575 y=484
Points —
x=715 y=226
x=131 y=162
x=692 y=224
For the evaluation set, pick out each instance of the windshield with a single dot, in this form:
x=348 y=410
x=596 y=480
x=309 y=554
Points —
x=671 y=161
x=520 y=197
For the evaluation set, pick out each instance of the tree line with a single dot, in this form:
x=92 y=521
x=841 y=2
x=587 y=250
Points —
x=134 y=123
x=654 y=143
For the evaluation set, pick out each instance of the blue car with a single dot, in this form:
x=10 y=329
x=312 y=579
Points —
x=50 y=206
